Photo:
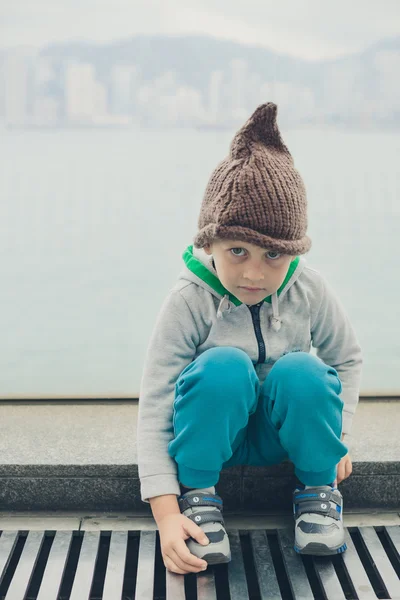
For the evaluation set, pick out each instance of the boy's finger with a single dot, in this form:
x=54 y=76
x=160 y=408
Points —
x=181 y=563
x=187 y=557
x=171 y=566
x=196 y=533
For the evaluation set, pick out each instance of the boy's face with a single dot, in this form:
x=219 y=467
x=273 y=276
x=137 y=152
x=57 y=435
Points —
x=241 y=265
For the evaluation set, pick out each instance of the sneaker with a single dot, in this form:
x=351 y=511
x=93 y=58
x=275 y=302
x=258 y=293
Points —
x=205 y=509
x=318 y=514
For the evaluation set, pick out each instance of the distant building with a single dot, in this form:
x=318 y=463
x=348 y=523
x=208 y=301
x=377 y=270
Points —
x=387 y=103
x=17 y=84
x=45 y=107
x=156 y=100
x=86 y=98
x=254 y=95
x=295 y=102
x=238 y=89
x=124 y=84
x=188 y=106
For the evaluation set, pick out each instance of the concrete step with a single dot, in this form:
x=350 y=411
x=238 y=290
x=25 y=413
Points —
x=81 y=455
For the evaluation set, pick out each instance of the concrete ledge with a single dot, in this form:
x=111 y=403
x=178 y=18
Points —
x=285 y=469
x=83 y=457
x=78 y=521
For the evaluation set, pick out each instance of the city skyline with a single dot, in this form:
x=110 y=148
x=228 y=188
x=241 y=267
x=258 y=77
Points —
x=150 y=81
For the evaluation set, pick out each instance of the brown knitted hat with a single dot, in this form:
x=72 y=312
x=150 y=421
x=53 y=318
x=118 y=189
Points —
x=255 y=194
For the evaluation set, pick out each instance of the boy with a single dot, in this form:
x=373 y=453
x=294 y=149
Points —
x=229 y=378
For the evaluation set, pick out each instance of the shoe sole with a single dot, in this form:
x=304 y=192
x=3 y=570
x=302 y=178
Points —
x=216 y=558
x=315 y=548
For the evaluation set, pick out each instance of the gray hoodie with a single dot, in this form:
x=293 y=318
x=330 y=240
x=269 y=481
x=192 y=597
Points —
x=199 y=313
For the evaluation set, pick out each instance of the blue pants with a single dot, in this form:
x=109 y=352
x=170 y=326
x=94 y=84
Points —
x=223 y=416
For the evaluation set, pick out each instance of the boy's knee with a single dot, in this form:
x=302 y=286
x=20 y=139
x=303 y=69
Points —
x=222 y=369
x=301 y=364
x=226 y=359
x=304 y=375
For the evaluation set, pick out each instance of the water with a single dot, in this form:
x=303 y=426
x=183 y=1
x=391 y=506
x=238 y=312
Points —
x=93 y=225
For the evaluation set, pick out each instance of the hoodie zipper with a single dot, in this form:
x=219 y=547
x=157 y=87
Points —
x=255 y=315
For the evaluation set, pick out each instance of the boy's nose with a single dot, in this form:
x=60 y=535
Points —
x=253 y=276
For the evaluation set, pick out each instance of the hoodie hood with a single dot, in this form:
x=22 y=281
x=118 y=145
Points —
x=199 y=269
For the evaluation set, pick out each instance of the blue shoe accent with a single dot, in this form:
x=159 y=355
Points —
x=307 y=496
x=338 y=551
x=212 y=500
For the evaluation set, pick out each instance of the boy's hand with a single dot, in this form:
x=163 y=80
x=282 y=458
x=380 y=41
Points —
x=344 y=469
x=174 y=529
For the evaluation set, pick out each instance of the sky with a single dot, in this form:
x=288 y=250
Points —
x=310 y=29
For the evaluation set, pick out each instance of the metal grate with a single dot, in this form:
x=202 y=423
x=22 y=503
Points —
x=123 y=565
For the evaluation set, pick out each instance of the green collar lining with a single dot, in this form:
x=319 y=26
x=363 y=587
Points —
x=197 y=267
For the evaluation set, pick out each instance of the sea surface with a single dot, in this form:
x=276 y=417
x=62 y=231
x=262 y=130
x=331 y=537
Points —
x=93 y=224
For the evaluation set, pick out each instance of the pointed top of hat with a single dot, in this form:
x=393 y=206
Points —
x=262 y=128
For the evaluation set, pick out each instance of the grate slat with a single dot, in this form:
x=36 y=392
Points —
x=26 y=564
x=8 y=541
x=355 y=569
x=236 y=573
x=295 y=570
x=86 y=565
x=328 y=578
x=175 y=586
x=206 y=589
x=265 y=571
x=381 y=561
x=394 y=534
x=55 y=567
x=114 y=580
x=146 y=563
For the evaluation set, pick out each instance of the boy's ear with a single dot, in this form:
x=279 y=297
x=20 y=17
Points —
x=207 y=249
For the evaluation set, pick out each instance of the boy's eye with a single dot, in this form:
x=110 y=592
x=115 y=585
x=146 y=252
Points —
x=272 y=254
x=276 y=254
x=234 y=253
